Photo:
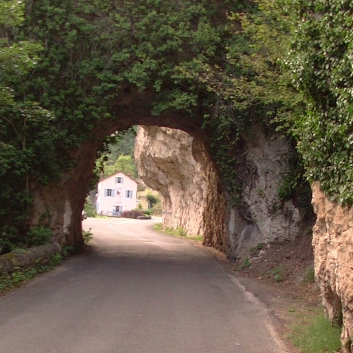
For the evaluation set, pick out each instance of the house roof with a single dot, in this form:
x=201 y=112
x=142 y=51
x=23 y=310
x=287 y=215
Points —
x=109 y=176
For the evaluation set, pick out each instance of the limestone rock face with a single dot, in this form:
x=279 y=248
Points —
x=178 y=166
x=333 y=255
x=262 y=217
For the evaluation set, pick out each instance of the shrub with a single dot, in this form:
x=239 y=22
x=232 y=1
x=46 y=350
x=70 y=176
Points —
x=89 y=208
x=152 y=200
x=38 y=236
x=132 y=214
x=9 y=239
x=87 y=236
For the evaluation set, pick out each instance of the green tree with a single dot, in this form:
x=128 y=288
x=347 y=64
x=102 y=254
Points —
x=123 y=146
x=125 y=164
x=26 y=132
x=152 y=200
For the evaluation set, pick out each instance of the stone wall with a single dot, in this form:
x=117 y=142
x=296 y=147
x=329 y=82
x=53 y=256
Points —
x=333 y=255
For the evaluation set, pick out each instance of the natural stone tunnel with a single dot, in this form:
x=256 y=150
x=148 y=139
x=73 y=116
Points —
x=235 y=229
x=115 y=74
x=103 y=61
x=232 y=229
x=59 y=205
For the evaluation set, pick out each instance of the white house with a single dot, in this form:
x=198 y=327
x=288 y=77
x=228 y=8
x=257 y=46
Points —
x=116 y=193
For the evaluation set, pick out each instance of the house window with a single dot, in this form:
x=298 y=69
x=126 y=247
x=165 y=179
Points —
x=117 y=210
x=119 y=180
x=128 y=194
x=109 y=192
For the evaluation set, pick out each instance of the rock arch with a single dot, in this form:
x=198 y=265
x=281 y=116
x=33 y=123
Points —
x=59 y=205
x=129 y=67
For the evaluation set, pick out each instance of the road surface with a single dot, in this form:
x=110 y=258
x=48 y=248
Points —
x=135 y=291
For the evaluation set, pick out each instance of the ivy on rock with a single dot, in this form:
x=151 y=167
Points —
x=321 y=65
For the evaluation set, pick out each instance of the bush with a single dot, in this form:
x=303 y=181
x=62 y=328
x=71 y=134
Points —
x=89 y=208
x=148 y=212
x=9 y=239
x=38 y=236
x=87 y=236
x=132 y=214
x=157 y=209
x=152 y=200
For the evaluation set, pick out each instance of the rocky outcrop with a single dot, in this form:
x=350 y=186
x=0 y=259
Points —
x=262 y=217
x=178 y=166
x=333 y=254
x=27 y=258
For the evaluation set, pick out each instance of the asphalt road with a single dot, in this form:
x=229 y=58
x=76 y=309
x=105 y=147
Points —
x=135 y=291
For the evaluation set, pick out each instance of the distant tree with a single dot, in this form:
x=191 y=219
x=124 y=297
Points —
x=89 y=208
x=125 y=164
x=124 y=146
x=152 y=200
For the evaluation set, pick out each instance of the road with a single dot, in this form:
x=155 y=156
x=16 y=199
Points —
x=135 y=291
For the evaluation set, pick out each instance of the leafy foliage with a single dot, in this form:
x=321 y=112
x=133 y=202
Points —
x=321 y=64
x=152 y=200
x=89 y=208
x=252 y=85
x=27 y=136
x=22 y=275
x=38 y=236
x=125 y=164
x=87 y=236
x=35 y=236
x=65 y=64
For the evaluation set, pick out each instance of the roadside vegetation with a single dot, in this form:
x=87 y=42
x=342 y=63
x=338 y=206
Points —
x=315 y=334
x=21 y=275
x=177 y=232
x=34 y=237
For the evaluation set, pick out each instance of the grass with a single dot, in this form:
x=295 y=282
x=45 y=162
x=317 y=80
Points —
x=245 y=264
x=158 y=227
x=316 y=335
x=309 y=275
x=277 y=273
x=177 y=232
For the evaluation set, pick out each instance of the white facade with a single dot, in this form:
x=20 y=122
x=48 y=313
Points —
x=116 y=193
